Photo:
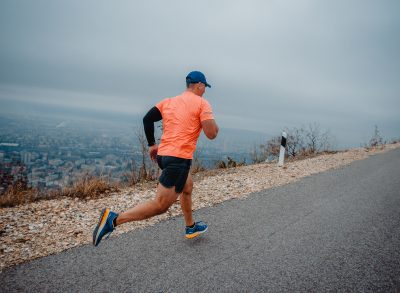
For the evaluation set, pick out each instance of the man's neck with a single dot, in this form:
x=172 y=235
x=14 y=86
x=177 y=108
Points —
x=193 y=91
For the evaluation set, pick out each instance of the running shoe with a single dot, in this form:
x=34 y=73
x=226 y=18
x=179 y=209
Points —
x=105 y=225
x=199 y=228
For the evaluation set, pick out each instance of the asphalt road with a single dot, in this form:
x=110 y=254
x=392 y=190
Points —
x=334 y=231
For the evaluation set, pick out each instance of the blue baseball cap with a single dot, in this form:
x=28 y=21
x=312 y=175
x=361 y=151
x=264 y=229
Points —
x=195 y=77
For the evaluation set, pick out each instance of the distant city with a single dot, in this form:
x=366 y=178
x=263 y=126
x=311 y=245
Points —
x=54 y=153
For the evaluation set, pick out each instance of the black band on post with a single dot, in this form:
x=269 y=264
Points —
x=283 y=142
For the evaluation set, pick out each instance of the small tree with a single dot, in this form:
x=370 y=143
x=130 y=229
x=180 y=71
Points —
x=376 y=139
x=231 y=162
x=312 y=135
x=315 y=139
x=273 y=146
x=130 y=177
x=295 y=141
x=143 y=151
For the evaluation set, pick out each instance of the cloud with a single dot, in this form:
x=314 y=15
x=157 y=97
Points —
x=70 y=99
x=278 y=63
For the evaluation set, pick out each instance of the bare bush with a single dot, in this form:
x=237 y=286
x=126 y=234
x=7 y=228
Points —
x=139 y=133
x=18 y=194
x=148 y=170
x=273 y=146
x=89 y=187
x=131 y=177
x=220 y=164
x=300 y=142
x=315 y=139
x=376 y=140
x=295 y=141
x=231 y=163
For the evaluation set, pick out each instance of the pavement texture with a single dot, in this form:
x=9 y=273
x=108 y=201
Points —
x=334 y=231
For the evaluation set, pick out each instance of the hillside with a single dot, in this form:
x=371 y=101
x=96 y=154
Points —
x=46 y=227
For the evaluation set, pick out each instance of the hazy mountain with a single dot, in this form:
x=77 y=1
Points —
x=30 y=113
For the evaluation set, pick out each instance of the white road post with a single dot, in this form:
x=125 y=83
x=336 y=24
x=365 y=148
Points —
x=282 y=150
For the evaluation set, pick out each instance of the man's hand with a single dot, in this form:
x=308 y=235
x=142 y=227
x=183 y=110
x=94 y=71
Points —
x=153 y=153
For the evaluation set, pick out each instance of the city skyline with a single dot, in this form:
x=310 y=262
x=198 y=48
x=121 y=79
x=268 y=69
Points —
x=47 y=153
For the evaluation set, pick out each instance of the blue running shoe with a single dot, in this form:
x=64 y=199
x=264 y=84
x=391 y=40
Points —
x=199 y=228
x=105 y=226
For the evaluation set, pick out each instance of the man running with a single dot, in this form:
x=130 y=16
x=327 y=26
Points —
x=184 y=117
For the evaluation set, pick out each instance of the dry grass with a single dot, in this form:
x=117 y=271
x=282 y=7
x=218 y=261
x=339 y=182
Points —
x=90 y=187
x=87 y=187
x=95 y=187
x=307 y=154
x=17 y=195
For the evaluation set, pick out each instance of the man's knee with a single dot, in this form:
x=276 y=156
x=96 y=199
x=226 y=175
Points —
x=162 y=208
x=165 y=198
x=187 y=190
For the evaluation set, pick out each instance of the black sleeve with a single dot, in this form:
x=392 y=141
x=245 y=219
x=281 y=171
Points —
x=152 y=116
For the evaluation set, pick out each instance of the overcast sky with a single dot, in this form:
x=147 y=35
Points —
x=271 y=64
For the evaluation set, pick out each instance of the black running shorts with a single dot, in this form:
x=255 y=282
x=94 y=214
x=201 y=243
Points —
x=175 y=171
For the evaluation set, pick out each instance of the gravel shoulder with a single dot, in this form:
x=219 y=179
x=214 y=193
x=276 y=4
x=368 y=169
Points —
x=47 y=227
